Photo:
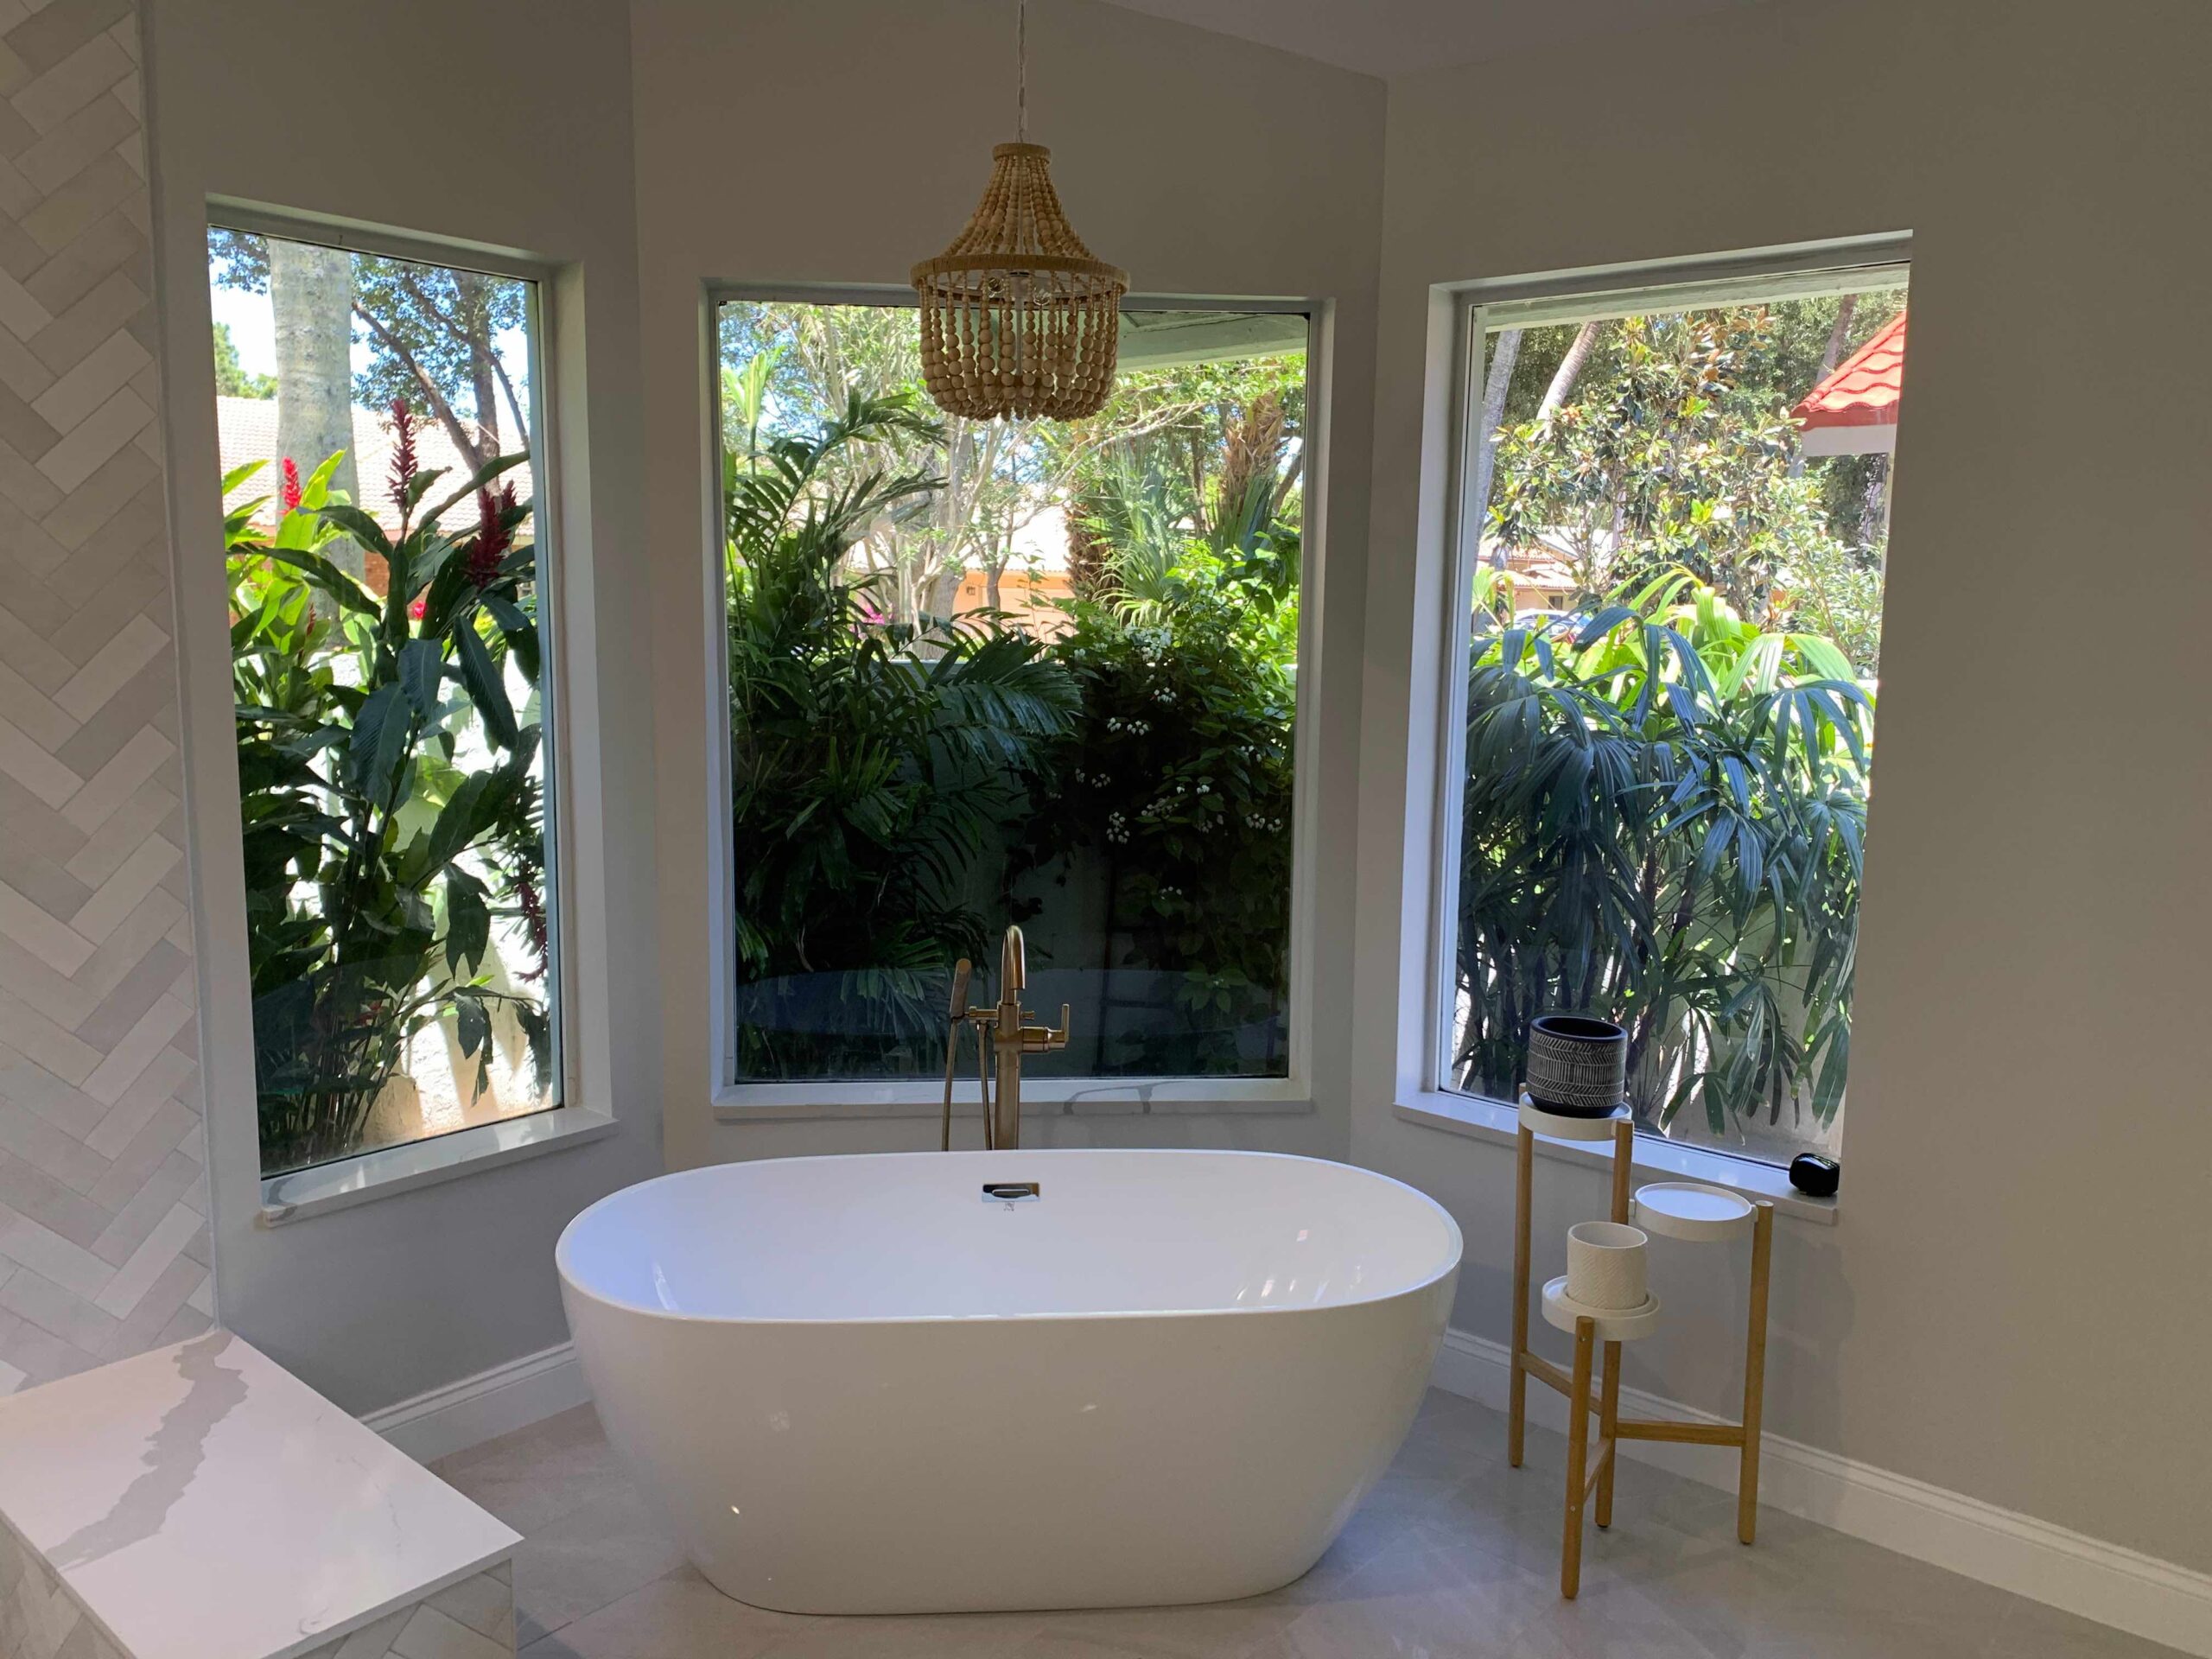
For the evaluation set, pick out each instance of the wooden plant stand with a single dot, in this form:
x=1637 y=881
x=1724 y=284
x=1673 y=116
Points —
x=1711 y=1215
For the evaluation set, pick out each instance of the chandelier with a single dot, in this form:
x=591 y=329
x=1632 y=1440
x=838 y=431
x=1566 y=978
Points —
x=1018 y=319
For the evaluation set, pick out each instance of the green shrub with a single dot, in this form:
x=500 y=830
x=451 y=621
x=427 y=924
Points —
x=1664 y=816
x=1176 y=782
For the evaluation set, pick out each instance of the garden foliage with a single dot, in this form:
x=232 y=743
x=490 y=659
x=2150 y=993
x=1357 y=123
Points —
x=899 y=791
x=1667 y=778
x=1663 y=822
x=389 y=792
x=875 y=766
x=1174 y=787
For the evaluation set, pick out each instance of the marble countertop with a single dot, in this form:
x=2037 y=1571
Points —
x=204 y=1504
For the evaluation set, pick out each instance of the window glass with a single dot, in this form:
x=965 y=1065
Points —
x=1683 y=522
x=994 y=673
x=387 y=601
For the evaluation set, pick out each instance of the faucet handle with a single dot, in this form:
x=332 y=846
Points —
x=1043 y=1040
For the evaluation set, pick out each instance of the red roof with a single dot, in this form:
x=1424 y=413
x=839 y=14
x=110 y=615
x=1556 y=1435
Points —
x=1863 y=390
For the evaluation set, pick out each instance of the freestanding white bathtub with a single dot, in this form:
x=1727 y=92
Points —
x=870 y=1385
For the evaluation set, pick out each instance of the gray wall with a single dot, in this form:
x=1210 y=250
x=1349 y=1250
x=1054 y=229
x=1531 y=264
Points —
x=2025 y=1168
x=357 y=112
x=818 y=144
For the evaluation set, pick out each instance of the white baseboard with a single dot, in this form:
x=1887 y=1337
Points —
x=2124 y=1588
x=484 y=1407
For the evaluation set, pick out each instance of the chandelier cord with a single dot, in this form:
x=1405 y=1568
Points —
x=1021 y=70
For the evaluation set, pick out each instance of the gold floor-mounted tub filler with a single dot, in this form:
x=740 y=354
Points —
x=1002 y=1036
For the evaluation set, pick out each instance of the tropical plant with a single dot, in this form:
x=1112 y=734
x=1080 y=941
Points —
x=1175 y=785
x=1662 y=823
x=1137 y=523
x=388 y=789
x=876 y=767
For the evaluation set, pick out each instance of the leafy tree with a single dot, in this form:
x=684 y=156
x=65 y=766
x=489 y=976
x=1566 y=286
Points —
x=432 y=331
x=1679 y=452
x=378 y=850
x=230 y=378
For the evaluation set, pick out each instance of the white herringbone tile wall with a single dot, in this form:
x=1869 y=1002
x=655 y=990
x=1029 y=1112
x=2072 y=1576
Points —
x=104 y=1247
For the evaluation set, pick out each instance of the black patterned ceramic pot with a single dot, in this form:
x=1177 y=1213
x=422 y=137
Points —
x=1578 y=1066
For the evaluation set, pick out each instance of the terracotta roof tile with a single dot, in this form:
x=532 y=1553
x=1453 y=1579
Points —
x=1864 y=388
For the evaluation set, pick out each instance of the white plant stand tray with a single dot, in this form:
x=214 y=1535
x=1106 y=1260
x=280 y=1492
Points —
x=1559 y=1126
x=199 y=1501
x=1614 y=1324
x=1690 y=1210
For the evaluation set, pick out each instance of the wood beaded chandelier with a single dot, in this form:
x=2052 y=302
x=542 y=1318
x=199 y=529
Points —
x=1018 y=319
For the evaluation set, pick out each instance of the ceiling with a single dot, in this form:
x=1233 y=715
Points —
x=1394 y=37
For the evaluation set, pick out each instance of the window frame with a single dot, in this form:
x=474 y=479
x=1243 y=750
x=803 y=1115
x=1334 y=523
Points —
x=736 y=1100
x=380 y=1170
x=1851 y=266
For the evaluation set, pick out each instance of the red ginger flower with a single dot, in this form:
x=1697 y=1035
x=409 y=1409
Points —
x=403 y=462
x=418 y=607
x=493 y=537
x=290 y=493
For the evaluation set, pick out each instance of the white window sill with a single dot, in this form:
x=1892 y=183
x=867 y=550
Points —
x=391 y=1170
x=757 y=1102
x=1487 y=1120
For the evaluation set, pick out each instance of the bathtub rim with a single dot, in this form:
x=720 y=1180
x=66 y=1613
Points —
x=1420 y=1285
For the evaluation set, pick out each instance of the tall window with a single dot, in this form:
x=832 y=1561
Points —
x=1674 y=513
x=990 y=673
x=389 y=655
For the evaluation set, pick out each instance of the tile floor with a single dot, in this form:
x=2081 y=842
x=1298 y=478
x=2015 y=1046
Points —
x=1455 y=1556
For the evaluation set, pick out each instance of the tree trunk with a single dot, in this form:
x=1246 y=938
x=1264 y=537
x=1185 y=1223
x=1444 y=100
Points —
x=943 y=592
x=1829 y=358
x=1569 y=370
x=1502 y=358
x=484 y=388
x=1087 y=550
x=1252 y=454
x=473 y=315
x=1837 y=335
x=311 y=293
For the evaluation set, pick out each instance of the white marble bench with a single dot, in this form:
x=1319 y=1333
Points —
x=201 y=1502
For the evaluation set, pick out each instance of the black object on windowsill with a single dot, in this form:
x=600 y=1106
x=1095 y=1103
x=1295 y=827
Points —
x=1815 y=1176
